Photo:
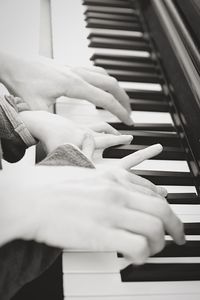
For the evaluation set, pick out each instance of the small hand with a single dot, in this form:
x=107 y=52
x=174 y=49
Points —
x=53 y=130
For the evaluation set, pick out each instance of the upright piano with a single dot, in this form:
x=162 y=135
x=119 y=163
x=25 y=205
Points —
x=152 y=48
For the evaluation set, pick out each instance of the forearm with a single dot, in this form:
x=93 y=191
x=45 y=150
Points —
x=7 y=64
x=16 y=210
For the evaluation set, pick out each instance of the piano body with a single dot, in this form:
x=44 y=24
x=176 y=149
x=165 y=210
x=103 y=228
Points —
x=152 y=48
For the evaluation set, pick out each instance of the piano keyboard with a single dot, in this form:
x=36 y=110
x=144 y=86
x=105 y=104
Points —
x=118 y=42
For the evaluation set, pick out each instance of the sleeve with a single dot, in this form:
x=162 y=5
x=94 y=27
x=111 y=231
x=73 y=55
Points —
x=14 y=135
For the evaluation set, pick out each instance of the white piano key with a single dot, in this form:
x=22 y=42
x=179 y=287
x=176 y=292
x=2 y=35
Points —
x=175 y=260
x=115 y=9
x=111 y=285
x=139 y=117
x=152 y=164
x=180 y=189
x=79 y=111
x=104 y=262
x=123 y=263
x=131 y=86
x=115 y=32
x=163 y=165
x=182 y=209
x=190 y=218
x=140 y=297
x=188 y=237
x=90 y=262
x=121 y=52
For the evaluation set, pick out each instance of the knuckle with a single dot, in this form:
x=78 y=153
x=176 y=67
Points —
x=113 y=81
x=110 y=193
x=165 y=210
x=115 y=197
x=157 y=229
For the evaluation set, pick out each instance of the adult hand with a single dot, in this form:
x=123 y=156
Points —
x=41 y=81
x=80 y=208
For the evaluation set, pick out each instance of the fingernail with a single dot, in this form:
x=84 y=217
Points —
x=130 y=137
x=129 y=121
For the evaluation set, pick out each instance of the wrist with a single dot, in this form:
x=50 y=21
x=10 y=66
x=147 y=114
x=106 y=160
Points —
x=36 y=122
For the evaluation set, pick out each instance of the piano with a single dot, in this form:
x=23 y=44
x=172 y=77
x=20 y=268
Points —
x=152 y=48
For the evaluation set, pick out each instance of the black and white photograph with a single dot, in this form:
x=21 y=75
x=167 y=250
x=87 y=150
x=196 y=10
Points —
x=99 y=149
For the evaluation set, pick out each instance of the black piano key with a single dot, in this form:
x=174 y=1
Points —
x=149 y=105
x=189 y=249
x=168 y=153
x=105 y=3
x=183 y=198
x=153 y=137
x=115 y=10
x=166 y=177
x=109 y=24
x=192 y=229
x=108 y=16
x=103 y=42
x=161 y=272
x=127 y=75
x=126 y=65
x=144 y=126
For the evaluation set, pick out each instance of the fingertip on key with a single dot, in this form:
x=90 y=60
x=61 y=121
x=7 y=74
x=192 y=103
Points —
x=181 y=240
x=129 y=121
x=162 y=191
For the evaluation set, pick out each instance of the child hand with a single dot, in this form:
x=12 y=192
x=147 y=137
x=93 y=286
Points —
x=53 y=130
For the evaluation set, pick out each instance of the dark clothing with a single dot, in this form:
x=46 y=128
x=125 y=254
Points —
x=14 y=135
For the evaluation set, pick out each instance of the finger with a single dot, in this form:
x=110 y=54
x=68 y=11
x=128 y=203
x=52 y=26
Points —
x=108 y=140
x=107 y=83
x=134 y=187
x=160 y=209
x=146 y=183
x=142 y=224
x=93 y=69
x=88 y=146
x=133 y=246
x=139 y=156
x=104 y=127
x=100 y=98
